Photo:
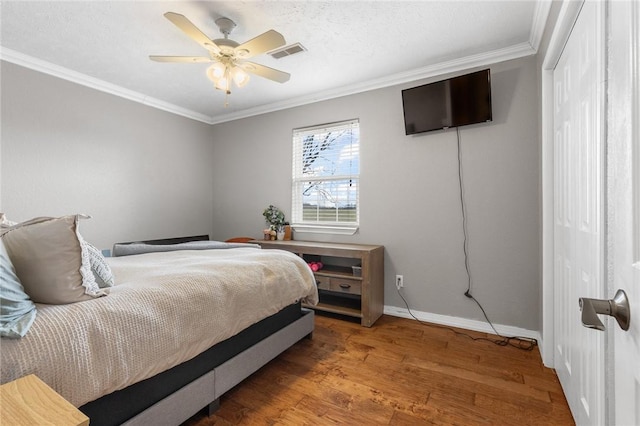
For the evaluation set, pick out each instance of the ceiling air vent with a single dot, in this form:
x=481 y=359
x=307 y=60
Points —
x=292 y=49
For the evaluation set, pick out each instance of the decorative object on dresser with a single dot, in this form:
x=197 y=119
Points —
x=278 y=228
x=351 y=280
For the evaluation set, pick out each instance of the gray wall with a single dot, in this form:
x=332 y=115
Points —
x=144 y=173
x=140 y=172
x=409 y=194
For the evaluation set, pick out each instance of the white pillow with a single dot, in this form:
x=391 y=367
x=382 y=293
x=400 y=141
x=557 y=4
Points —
x=4 y=222
x=51 y=260
x=101 y=270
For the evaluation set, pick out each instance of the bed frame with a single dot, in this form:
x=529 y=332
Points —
x=173 y=396
x=206 y=390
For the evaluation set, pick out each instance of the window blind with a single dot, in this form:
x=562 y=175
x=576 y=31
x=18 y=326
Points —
x=326 y=174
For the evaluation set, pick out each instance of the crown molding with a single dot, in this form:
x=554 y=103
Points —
x=45 y=67
x=540 y=16
x=472 y=61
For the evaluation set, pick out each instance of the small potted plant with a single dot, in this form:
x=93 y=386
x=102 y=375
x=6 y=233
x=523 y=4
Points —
x=275 y=218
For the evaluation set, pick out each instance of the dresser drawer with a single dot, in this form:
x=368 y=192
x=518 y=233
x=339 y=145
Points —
x=323 y=283
x=345 y=285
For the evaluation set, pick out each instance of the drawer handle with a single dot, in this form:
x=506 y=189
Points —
x=345 y=286
x=318 y=282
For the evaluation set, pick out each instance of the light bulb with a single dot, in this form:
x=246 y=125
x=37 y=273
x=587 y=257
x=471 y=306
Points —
x=222 y=84
x=240 y=77
x=216 y=71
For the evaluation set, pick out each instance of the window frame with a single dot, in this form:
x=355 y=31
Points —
x=298 y=179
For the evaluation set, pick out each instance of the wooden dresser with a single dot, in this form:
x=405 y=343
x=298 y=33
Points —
x=352 y=280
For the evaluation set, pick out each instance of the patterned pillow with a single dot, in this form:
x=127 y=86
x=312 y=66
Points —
x=51 y=261
x=17 y=311
x=99 y=266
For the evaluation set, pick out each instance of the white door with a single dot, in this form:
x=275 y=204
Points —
x=579 y=212
x=623 y=193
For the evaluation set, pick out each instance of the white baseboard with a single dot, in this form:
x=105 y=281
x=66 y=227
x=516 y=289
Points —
x=482 y=326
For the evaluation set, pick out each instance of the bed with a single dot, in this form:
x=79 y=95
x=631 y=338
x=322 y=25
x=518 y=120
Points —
x=180 y=327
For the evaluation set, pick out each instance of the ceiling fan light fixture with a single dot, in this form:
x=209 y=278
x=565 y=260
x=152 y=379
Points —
x=228 y=55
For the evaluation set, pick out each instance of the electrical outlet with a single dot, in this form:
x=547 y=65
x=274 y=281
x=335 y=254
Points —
x=399 y=282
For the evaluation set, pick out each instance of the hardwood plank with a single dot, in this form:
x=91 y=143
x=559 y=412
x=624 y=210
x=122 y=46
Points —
x=399 y=372
x=545 y=382
x=391 y=398
x=454 y=412
x=464 y=365
x=512 y=412
x=336 y=414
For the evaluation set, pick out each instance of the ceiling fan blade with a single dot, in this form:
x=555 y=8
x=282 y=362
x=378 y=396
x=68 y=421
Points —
x=192 y=31
x=260 y=44
x=266 y=72
x=184 y=59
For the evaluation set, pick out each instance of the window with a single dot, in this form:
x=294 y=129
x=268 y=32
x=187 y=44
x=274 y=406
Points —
x=326 y=174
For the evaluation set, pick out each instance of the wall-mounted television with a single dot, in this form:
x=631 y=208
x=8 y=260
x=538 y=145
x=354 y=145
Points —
x=454 y=102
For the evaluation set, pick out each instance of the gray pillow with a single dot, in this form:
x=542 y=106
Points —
x=127 y=249
x=51 y=260
x=17 y=311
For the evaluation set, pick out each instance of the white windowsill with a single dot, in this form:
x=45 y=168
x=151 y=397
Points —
x=325 y=229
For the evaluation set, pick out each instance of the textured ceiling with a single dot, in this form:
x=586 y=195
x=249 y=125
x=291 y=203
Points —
x=352 y=46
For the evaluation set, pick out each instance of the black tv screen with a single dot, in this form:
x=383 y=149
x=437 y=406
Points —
x=453 y=102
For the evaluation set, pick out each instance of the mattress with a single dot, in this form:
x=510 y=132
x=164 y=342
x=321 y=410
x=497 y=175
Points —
x=165 y=309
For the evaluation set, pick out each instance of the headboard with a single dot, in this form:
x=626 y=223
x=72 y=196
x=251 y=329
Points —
x=177 y=240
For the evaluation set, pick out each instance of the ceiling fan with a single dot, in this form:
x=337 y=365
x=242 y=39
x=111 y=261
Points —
x=229 y=57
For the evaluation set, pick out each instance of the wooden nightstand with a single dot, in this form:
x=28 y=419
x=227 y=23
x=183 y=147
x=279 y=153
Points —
x=30 y=401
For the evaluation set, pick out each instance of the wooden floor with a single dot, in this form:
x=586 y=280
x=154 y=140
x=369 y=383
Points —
x=399 y=372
